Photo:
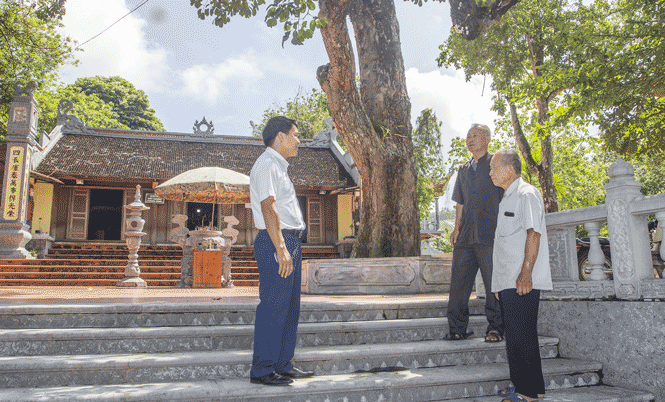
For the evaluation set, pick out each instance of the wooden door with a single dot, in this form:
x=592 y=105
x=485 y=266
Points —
x=78 y=215
x=314 y=220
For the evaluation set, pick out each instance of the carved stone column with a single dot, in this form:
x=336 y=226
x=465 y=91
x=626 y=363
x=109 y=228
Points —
x=661 y=222
x=596 y=257
x=133 y=237
x=21 y=130
x=629 y=238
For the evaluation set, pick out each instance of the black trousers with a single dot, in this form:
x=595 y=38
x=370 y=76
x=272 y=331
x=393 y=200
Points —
x=466 y=262
x=520 y=315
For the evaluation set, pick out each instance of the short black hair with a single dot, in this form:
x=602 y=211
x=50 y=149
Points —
x=276 y=125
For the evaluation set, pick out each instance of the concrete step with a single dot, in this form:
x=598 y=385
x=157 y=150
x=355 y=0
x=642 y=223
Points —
x=323 y=360
x=74 y=341
x=423 y=384
x=122 y=315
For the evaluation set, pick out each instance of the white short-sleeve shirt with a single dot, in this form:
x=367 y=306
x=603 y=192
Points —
x=520 y=209
x=269 y=177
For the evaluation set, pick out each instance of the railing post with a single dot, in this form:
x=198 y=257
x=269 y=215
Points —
x=629 y=238
x=595 y=257
x=661 y=222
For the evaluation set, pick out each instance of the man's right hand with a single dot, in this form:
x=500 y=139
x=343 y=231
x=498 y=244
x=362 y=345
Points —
x=285 y=262
x=453 y=237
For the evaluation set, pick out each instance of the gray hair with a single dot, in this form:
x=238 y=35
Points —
x=482 y=127
x=510 y=157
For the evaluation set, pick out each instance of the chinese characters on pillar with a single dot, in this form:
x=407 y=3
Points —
x=16 y=168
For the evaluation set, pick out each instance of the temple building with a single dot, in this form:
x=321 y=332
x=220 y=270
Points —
x=82 y=177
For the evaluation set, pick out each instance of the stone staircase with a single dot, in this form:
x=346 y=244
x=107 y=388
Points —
x=373 y=351
x=103 y=264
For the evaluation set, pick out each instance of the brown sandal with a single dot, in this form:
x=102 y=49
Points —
x=493 y=336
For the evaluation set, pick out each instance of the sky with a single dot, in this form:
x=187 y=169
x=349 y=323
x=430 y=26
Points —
x=191 y=69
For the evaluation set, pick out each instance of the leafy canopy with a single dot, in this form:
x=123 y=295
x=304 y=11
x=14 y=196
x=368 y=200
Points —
x=309 y=110
x=432 y=177
x=30 y=47
x=297 y=17
x=130 y=105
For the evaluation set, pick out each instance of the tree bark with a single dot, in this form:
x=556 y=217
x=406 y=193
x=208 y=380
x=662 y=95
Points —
x=373 y=122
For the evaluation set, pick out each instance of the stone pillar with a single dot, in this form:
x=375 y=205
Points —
x=629 y=238
x=21 y=130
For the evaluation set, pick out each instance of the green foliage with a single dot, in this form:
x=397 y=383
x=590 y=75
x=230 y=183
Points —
x=89 y=108
x=297 y=17
x=650 y=171
x=624 y=65
x=131 y=105
x=432 y=178
x=30 y=47
x=309 y=110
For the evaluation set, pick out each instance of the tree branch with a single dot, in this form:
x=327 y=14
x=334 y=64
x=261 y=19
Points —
x=472 y=21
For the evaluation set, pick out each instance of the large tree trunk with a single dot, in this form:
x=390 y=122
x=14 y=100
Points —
x=373 y=122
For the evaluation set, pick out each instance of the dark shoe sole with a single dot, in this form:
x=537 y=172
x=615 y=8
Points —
x=274 y=384
x=453 y=337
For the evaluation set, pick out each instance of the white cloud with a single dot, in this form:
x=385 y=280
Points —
x=211 y=82
x=457 y=103
x=122 y=50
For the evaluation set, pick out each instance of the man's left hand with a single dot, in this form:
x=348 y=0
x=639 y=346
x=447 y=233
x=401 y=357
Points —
x=524 y=284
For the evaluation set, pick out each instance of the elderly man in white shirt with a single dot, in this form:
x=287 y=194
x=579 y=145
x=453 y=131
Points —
x=278 y=253
x=521 y=271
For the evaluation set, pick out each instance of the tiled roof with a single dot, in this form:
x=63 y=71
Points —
x=133 y=156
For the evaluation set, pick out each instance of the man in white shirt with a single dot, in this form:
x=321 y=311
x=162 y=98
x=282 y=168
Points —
x=278 y=253
x=521 y=270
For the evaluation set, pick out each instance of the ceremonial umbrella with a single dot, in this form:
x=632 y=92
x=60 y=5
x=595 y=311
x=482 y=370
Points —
x=206 y=184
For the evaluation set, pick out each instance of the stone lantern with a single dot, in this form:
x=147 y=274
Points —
x=133 y=237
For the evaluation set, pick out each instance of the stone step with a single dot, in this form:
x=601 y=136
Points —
x=323 y=360
x=91 y=282
x=422 y=384
x=65 y=263
x=75 y=341
x=216 y=390
x=213 y=313
x=600 y=393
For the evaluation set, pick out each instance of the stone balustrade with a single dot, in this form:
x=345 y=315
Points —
x=625 y=211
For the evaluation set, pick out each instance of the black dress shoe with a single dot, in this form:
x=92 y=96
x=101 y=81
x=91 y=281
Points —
x=271 y=379
x=297 y=373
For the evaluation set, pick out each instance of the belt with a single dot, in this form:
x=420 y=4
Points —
x=299 y=234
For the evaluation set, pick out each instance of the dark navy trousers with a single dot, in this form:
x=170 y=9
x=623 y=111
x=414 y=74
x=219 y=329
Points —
x=278 y=311
x=520 y=316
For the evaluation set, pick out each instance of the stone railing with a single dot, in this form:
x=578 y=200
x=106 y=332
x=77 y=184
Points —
x=625 y=211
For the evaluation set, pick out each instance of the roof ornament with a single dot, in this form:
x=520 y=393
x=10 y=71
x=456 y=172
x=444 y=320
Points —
x=68 y=121
x=28 y=89
x=325 y=137
x=209 y=131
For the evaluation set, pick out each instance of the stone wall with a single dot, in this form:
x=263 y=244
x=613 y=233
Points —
x=628 y=338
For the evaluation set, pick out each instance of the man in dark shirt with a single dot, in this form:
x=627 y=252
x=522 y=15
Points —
x=472 y=239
